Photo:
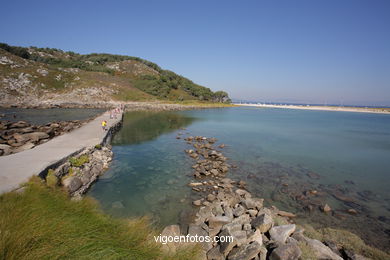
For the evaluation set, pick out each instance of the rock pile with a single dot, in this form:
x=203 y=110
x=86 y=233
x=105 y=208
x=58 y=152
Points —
x=228 y=210
x=78 y=173
x=19 y=136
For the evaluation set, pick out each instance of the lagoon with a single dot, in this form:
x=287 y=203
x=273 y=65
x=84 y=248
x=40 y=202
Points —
x=297 y=160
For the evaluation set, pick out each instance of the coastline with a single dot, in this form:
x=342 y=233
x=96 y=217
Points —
x=376 y=110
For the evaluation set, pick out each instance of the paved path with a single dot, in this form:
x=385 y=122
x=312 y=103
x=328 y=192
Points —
x=16 y=169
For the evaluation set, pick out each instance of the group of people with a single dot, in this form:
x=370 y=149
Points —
x=113 y=115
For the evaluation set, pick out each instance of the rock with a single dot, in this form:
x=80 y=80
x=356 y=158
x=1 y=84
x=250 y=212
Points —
x=26 y=146
x=36 y=136
x=210 y=197
x=218 y=221
x=255 y=236
x=279 y=234
x=289 y=251
x=286 y=214
x=263 y=222
x=245 y=252
x=215 y=254
x=117 y=205
x=252 y=212
x=194 y=184
x=352 y=211
x=238 y=211
x=243 y=193
x=214 y=172
x=172 y=231
x=227 y=246
x=326 y=208
x=196 y=230
x=240 y=236
x=321 y=251
x=5 y=149
x=72 y=184
x=197 y=202
x=19 y=124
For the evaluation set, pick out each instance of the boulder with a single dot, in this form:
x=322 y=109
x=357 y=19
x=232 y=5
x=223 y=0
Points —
x=279 y=234
x=196 y=230
x=238 y=211
x=263 y=222
x=227 y=245
x=26 y=146
x=19 y=124
x=72 y=184
x=172 y=230
x=255 y=236
x=245 y=252
x=218 y=221
x=215 y=254
x=5 y=149
x=321 y=251
x=326 y=208
x=289 y=251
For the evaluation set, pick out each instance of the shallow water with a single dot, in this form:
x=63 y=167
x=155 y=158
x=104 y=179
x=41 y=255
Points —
x=281 y=153
x=44 y=116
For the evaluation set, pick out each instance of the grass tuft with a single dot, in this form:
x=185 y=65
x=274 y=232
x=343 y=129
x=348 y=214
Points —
x=43 y=223
x=77 y=162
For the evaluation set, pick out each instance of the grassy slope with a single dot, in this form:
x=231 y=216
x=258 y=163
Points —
x=131 y=78
x=42 y=223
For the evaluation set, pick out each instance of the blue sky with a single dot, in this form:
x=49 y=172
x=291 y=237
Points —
x=314 y=51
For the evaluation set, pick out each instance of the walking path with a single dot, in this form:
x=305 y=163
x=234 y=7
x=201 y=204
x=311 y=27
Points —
x=16 y=169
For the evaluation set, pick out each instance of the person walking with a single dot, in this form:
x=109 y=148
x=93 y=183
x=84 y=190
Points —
x=104 y=124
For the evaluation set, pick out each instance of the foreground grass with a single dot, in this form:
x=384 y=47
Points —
x=42 y=223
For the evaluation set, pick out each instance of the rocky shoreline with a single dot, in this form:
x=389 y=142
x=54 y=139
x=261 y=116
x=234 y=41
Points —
x=80 y=171
x=20 y=136
x=226 y=208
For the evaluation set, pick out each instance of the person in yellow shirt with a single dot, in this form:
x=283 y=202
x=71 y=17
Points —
x=104 y=125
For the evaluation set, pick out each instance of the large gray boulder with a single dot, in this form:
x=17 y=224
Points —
x=289 y=251
x=245 y=252
x=263 y=222
x=321 y=251
x=72 y=184
x=280 y=234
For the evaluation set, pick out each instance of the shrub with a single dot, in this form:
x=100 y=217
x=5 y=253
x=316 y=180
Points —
x=51 y=179
x=78 y=162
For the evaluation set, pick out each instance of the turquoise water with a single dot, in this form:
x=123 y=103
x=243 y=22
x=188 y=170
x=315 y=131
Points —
x=280 y=153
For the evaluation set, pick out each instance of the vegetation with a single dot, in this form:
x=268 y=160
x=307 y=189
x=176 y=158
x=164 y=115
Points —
x=43 y=223
x=51 y=179
x=345 y=239
x=163 y=84
x=77 y=162
x=98 y=146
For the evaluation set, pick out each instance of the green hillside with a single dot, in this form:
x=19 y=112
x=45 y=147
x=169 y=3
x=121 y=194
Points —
x=55 y=75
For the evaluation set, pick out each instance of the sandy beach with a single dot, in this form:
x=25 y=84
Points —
x=377 y=110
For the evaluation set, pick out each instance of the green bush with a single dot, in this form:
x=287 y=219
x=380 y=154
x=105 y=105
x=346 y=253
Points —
x=77 y=162
x=51 y=179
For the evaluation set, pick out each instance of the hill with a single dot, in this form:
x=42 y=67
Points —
x=44 y=77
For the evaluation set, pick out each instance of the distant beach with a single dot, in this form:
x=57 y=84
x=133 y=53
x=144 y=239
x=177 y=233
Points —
x=377 y=110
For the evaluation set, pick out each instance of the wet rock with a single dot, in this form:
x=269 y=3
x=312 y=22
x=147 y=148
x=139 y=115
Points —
x=117 y=205
x=280 y=234
x=263 y=222
x=245 y=252
x=289 y=251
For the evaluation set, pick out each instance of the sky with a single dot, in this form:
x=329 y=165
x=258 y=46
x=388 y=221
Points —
x=301 y=51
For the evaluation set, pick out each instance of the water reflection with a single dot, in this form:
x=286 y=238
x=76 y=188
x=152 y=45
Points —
x=140 y=126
